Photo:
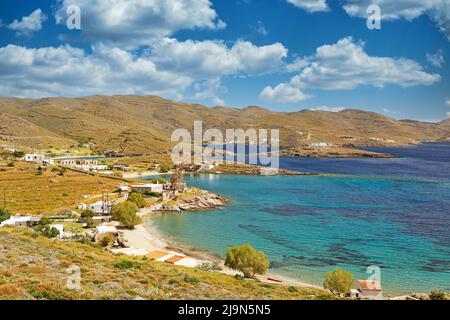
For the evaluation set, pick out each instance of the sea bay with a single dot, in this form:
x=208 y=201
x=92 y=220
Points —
x=392 y=213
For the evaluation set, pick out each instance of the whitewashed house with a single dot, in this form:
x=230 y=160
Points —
x=101 y=219
x=148 y=188
x=34 y=157
x=123 y=188
x=103 y=207
x=367 y=289
x=21 y=221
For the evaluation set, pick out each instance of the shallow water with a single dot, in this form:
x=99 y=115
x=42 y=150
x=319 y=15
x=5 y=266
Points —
x=394 y=213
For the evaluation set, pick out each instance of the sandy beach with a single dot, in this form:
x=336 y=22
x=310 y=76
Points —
x=145 y=238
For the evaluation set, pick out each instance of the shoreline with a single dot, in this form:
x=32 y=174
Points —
x=146 y=237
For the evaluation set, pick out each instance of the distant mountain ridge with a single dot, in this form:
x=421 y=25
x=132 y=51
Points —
x=144 y=124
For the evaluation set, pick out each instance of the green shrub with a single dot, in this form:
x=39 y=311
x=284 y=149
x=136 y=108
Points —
x=159 y=180
x=191 y=279
x=4 y=215
x=292 y=289
x=164 y=168
x=106 y=240
x=126 y=264
x=19 y=154
x=87 y=214
x=247 y=260
x=44 y=221
x=48 y=232
x=214 y=266
x=437 y=295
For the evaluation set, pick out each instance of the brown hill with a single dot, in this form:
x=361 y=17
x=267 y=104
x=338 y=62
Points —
x=144 y=124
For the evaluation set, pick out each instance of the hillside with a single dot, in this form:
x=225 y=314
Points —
x=144 y=124
x=35 y=267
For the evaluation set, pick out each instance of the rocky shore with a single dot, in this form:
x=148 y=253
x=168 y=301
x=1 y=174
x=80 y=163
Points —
x=200 y=200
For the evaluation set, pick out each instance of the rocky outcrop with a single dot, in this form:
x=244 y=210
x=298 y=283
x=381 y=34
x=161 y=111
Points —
x=253 y=170
x=332 y=152
x=200 y=201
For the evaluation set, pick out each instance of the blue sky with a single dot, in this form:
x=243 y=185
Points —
x=284 y=55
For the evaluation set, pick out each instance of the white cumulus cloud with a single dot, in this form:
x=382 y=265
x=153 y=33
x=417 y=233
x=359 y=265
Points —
x=282 y=93
x=68 y=71
x=311 y=5
x=210 y=59
x=167 y=69
x=139 y=22
x=28 y=24
x=345 y=65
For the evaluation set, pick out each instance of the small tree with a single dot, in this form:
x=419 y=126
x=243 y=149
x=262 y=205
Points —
x=86 y=217
x=247 y=260
x=159 y=180
x=87 y=214
x=137 y=199
x=44 y=221
x=47 y=231
x=339 y=282
x=19 y=154
x=4 y=215
x=125 y=213
x=164 y=168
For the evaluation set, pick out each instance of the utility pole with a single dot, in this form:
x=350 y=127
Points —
x=4 y=197
x=103 y=202
x=107 y=203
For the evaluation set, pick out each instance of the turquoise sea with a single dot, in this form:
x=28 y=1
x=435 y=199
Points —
x=393 y=213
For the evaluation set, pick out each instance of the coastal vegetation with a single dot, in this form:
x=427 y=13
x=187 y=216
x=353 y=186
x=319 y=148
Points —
x=35 y=267
x=126 y=214
x=437 y=295
x=339 y=282
x=247 y=260
x=137 y=199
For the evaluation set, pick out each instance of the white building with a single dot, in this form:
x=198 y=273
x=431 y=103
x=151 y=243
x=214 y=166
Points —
x=319 y=145
x=105 y=229
x=367 y=289
x=101 y=219
x=103 y=207
x=148 y=188
x=21 y=221
x=48 y=161
x=34 y=157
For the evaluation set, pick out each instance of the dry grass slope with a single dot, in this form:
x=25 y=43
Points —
x=35 y=268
